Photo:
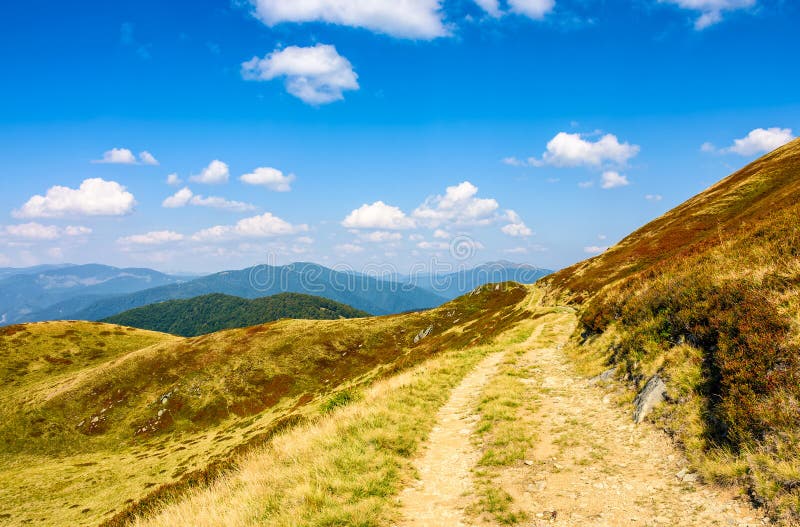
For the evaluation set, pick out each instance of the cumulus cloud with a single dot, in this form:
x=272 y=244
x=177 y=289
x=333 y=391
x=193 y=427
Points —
x=146 y=158
x=433 y=246
x=263 y=226
x=185 y=197
x=117 y=156
x=441 y=234
x=417 y=19
x=572 y=150
x=77 y=230
x=710 y=11
x=37 y=231
x=611 y=179
x=151 y=238
x=316 y=75
x=215 y=173
x=378 y=215
x=380 y=236
x=349 y=248
x=95 y=197
x=516 y=227
x=174 y=180
x=123 y=156
x=271 y=178
x=535 y=9
x=180 y=199
x=459 y=206
x=760 y=141
x=33 y=231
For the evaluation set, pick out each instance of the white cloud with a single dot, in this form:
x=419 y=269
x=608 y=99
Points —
x=653 y=197
x=379 y=215
x=37 y=231
x=492 y=7
x=180 y=199
x=174 y=180
x=710 y=11
x=216 y=202
x=151 y=238
x=77 y=230
x=215 y=173
x=572 y=150
x=586 y=184
x=433 y=246
x=417 y=19
x=513 y=161
x=516 y=227
x=118 y=156
x=535 y=9
x=349 y=248
x=315 y=75
x=146 y=158
x=123 y=156
x=95 y=197
x=380 y=236
x=263 y=226
x=760 y=141
x=602 y=237
x=272 y=178
x=611 y=179
x=305 y=240
x=594 y=249
x=33 y=231
x=185 y=197
x=441 y=234
x=457 y=206
x=516 y=250
x=708 y=147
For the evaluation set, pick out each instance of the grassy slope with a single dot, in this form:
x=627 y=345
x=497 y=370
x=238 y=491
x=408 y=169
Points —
x=345 y=468
x=707 y=297
x=215 y=312
x=139 y=425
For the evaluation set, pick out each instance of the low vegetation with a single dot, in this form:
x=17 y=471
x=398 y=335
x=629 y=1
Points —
x=100 y=441
x=216 y=312
x=706 y=297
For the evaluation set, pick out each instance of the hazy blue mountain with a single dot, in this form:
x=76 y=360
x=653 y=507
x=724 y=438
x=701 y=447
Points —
x=215 y=312
x=454 y=284
x=24 y=294
x=5 y=272
x=378 y=297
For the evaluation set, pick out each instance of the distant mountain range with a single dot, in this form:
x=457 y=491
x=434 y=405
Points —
x=454 y=284
x=210 y=313
x=95 y=292
x=24 y=292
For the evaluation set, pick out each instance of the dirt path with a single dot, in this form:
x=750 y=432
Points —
x=590 y=466
x=438 y=498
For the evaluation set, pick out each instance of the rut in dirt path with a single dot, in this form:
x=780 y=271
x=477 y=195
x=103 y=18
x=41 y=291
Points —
x=437 y=499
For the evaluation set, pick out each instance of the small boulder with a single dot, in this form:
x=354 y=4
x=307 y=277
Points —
x=653 y=394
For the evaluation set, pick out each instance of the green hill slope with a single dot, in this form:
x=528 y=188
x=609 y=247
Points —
x=706 y=297
x=82 y=442
x=215 y=312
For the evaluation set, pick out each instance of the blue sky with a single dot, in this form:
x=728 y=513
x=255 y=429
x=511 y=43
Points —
x=383 y=132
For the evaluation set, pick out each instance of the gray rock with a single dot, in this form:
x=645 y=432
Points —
x=422 y=334
x=653 y=394
x=603 y=377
